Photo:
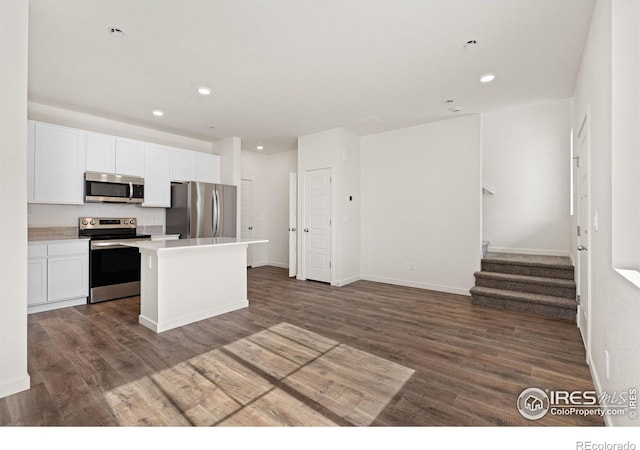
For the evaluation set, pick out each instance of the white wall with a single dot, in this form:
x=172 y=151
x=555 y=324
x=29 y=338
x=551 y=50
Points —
x=615 y=303
x=74 y=119
x=526 y=161
x=339 y=150
x=230 y=153
x=348 y=209
x=255 y=168
x=270 y=181
x=230 y=160
x=625 y=135
x=421 y=196
x=280 y=165
x=14 y=19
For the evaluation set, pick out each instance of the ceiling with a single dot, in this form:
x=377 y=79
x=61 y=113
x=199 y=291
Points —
x=279 y=69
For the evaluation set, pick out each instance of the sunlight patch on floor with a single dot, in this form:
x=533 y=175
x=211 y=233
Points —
x=282 y=376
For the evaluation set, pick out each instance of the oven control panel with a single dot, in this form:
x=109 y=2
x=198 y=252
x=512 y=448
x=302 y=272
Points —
x=106 y=223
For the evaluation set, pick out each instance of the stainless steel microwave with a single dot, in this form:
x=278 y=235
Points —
x=110 y=188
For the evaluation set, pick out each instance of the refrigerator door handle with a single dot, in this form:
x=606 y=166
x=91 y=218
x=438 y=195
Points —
x=218 y=207
x=216 y=213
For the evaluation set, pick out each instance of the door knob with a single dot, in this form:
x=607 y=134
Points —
x=581 y=248
x=292 y=229
x=306 y=230
x=250 y=228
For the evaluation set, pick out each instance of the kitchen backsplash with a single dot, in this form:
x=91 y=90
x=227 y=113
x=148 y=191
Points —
x=52 y=233
x=150 y=229
x=42 y=215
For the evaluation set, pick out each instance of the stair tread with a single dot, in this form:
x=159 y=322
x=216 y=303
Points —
x=560 y=302
x=560 y=282
x=556 y=262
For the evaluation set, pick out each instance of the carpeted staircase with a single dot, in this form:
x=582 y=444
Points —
x=542 y=285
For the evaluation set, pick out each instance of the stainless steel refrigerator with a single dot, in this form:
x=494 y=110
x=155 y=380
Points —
x=200 y=210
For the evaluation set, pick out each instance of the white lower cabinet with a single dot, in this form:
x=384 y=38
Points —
x=58 y=275
x=37 y=281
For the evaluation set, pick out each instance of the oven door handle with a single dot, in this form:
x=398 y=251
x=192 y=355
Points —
x=107 y=245
x=130 y=190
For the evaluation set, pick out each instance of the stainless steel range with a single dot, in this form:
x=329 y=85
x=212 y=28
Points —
x=114 y=269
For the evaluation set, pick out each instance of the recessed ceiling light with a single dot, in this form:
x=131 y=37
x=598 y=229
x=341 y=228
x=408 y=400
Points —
x=212 y=127
x=115 y=31
x=455 y=110
x=158 y=113
x=204 y=90
x=260 y=147
x=487 y=78
x=448 y=101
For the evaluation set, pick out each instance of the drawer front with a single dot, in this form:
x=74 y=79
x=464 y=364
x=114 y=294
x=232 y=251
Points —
x=37 y=251
x=69 y=248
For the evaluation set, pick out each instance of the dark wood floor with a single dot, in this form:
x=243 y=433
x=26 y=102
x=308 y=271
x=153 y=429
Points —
x=303 y=353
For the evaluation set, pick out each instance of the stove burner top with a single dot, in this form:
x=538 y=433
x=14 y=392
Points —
x=105 y=228
x=116 y=237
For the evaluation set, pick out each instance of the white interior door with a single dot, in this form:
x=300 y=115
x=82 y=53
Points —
x=293 y=224
x=246 y=219
x=584 y=240
x=317 y=225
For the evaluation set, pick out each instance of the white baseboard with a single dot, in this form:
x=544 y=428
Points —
x=259 y=263
x=414 y=284
x=528 y=251
x=596 y=382
x=277 y=264
x=269 y=263
x=14 y=386
x=346 y=281
x=57 y=305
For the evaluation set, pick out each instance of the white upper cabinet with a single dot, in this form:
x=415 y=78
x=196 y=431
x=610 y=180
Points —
x=129 y=157
x=207 y=168
x=59 y=156
x=157 y=175
x=195 y=166
x=184 y=165
x=112 y=154
x=57 y=161
x=101 y=153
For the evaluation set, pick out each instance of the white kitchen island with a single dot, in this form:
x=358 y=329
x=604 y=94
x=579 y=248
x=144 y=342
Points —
x=186 y=280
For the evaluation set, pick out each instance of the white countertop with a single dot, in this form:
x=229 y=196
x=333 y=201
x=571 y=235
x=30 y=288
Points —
x=185 y=243
x=54 y=240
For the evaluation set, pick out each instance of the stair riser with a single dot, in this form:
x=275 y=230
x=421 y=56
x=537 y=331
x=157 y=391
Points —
x=532 y=288
x=530 y=308
x=533 y=271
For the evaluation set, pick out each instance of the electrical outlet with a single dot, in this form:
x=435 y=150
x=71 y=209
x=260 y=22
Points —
x=406 y=265
x=412 y=265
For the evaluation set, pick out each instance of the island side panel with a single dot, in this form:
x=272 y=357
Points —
x=195 y=283
x=149 y=289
